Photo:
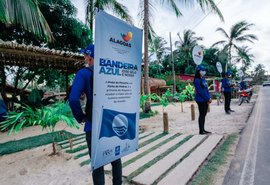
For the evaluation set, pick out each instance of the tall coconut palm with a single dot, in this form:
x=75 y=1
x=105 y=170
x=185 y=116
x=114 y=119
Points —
x=245 y=57
x=117 y=8
x=238 y=34
x=186 y=44
x=204 y=4
x=157 y=48
x=27 y=14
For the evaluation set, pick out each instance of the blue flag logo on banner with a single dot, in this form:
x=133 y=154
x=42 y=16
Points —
x=120 y=124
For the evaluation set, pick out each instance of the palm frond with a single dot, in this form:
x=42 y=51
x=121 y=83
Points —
x=173 y=5
x=119 y=9
x=27 y=14
x=223 y=32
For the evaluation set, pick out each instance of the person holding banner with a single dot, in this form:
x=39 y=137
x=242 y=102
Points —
x=227 y=90
x=202 y=96
x=83 y=83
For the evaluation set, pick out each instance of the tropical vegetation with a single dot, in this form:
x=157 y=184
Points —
x=45 y=117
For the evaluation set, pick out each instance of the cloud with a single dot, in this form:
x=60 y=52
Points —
x=204 y=25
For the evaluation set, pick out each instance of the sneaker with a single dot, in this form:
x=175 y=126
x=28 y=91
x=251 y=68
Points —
x=231 y=110
x=228 y=112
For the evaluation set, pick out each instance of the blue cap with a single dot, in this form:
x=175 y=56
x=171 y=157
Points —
x=89 y=50
x=200 y=68
x=228 y=73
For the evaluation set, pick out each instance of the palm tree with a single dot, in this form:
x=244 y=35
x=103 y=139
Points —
x=157 y=48
x=27 y=14
x=186 y=44
x=113 y=5
x=204 y=4
x=245 y=57
x=237 y=35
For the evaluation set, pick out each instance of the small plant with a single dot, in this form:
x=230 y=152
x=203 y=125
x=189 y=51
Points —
x=181 y=98
x=46 y=117
x=164 y=100
x=189 y=92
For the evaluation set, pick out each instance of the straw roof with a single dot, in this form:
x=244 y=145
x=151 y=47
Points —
x=14 y=54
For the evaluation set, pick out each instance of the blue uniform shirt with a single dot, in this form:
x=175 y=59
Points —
x=226 y=85
x=82 y=84
x=202 y=93
x=243 y=85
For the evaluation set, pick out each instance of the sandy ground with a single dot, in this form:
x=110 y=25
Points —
x=216 y=120
x=35 y=167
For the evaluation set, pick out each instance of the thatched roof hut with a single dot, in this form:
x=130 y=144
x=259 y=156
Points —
x=14 y=54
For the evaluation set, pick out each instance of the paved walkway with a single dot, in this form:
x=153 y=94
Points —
x=169 y=159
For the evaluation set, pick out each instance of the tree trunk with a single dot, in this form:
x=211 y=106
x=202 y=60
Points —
x=146 y=67
x=182 y=109
x=229 y=58
x=91 y=16
x=172 y=62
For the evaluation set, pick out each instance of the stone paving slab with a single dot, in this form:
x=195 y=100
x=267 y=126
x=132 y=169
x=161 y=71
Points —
x=150 y=156
x=144 y=134
x=141 y=150
x=183 y=172
x=149 y=137
x=151 y=174
x=86 y=150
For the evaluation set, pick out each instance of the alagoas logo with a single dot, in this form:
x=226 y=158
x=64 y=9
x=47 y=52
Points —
x=126 y=39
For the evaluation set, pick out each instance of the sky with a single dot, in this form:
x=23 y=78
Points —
x=204 y=24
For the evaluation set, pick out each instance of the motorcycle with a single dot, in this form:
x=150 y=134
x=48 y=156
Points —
x=244 y=96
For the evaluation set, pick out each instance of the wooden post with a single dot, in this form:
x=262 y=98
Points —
x=192 y=112
x=165 y=122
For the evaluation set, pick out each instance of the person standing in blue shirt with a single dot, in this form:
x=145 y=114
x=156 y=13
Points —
x=227 y=91
x=243 y=85
x=83 y=84
x=202 y=96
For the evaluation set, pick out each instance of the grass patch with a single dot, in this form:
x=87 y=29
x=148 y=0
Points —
x=152 y=139
x=158 y=158
x=81 y=155
x=75 y=139
x=146 y=135
x=150 y=149
x=33 y=142
x=73 y=144
x=208 y=171
x=85 y=162
x=148 y=115
x=82 y=147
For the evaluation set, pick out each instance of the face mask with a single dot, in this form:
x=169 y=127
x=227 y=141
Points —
x=86 y=64
x=202 y=73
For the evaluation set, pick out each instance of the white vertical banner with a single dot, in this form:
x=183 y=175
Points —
x=117 y=78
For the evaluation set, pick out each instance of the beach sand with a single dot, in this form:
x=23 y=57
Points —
x=36 y=167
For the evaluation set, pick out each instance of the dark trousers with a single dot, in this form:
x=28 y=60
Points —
x=98 y=174
x=228 y=97
x=203 y=106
